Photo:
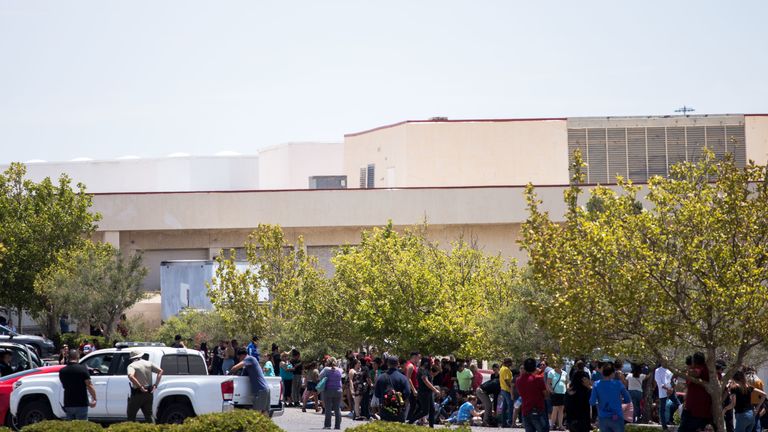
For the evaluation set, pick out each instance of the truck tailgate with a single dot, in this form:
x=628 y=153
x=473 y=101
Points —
x=244 y=396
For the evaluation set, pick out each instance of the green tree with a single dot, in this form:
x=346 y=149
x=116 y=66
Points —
x=195 y=327
x=93 y=283
x=37 y=221
x=286 y=272
x=404 y=292
x=690 y=271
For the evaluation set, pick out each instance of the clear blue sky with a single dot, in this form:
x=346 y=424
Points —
x=104 y=79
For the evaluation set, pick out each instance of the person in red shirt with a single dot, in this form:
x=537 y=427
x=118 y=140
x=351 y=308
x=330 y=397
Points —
x=410 y=372
x=477 y=377
x=697 y=410
x=533 y=390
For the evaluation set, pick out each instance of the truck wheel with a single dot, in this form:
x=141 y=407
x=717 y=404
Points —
x=34 y=412
x=175 y=413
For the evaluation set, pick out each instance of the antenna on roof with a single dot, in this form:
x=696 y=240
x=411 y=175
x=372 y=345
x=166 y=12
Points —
x=685 y=110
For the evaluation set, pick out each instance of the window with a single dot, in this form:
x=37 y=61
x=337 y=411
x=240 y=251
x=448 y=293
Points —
x=99 y=364
x=183 y=364
x=371 y=176
x=363 y=178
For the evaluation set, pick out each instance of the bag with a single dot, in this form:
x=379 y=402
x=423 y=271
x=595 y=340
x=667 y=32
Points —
x=628 y=411
x=392 y=401
x=320 y=387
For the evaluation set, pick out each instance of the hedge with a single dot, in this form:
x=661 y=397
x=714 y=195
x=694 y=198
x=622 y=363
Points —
x=234 y=421
x=63 y=426
x=383 y=426
x=638 y=427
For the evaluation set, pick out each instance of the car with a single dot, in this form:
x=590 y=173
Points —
x=43 y=346
x=24 y=356
x=6 y=387
x=186 y=389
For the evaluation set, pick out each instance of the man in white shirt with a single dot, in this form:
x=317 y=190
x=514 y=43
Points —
x=663 y=377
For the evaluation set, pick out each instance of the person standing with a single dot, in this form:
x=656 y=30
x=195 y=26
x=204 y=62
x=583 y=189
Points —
x=259 y=388
x=76 y=382
x=87 y=347
x=286 y=374
x=313 y=377
x=663 y=377
x=64 y=355
x=218 y=358
x=392 y=388
x=741 y=402
x=332 y=393
x=697 y=408
x=253 y=348
x=556 y=381
x=608 y=394
x=410 y=372
x=464 y=379
x=533 y=390
x=635 y=387
x=142 y=388
x=577 y=408
x=298 y=371
x=506 y=385
x=426 y=399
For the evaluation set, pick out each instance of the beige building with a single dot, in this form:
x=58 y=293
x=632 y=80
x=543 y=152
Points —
x=441 y=152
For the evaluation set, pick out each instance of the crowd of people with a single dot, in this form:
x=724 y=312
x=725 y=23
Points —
x=540 y=395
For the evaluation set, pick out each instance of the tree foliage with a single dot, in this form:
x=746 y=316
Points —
x=93 y=283
x=288 y=274
x=37 y=221
x=690 y=271
x=406 y=293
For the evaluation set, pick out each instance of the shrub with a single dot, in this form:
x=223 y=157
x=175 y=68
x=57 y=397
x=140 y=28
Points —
x=235 y=421
x=75 y=339
x=63 y=426
x=630 y=427
x=142 y=427
x=382 y=426
x=4 y=429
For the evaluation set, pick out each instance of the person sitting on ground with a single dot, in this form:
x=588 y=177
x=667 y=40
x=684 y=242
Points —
x=467 y=413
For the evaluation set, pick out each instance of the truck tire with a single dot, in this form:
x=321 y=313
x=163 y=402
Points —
x=175 y=413
x=34 y=412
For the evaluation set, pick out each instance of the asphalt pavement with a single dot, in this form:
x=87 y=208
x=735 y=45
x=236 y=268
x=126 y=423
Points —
x=293 y=420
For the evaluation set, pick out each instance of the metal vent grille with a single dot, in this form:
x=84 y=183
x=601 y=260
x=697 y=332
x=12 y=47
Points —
x=641 y=152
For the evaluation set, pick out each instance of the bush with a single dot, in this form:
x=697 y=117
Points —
x=142 y=427
x=195 y=327
x=382 y=426
x=633 y=427
x=63 y=426
x=239 y=420
x=73 y=340
x=4 y=429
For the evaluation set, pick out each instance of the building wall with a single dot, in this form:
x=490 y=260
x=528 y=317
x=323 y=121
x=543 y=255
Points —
x=289 y=166
x=155 y=175
x=462 y=153
x=756 y=131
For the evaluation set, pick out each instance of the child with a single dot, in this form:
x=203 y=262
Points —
x=446 y=404
x=468 y=413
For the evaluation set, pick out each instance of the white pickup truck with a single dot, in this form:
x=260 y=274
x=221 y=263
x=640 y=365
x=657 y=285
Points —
x=185 y=389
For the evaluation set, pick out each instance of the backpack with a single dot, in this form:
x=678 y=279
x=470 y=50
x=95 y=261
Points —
x=392 y=402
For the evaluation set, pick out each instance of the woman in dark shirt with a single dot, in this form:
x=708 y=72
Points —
x=741 y=402
x=577 y=408
x=426 y=401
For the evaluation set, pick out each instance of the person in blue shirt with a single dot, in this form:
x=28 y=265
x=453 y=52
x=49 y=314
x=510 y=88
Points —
x=466 y=413
x=259 y=388
x=253 y=348
x=608 y=394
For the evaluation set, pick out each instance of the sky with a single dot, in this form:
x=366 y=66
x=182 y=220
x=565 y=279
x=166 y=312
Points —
x=105 y=79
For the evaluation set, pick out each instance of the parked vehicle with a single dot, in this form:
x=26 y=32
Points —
x=6 y=387
x=24 y=356
x=184 y=391
x=43 y=346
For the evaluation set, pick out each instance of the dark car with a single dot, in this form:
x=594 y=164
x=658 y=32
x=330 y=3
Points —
x=43 y=346
x=24 y=357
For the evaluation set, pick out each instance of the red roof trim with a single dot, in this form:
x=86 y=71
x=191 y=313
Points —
x=755 y=115
x=456 y=121
x=349 y=190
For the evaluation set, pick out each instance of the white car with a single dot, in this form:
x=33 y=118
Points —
x=185 y=389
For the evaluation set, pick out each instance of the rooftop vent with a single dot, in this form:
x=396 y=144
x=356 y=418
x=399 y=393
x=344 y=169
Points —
x=438 y=119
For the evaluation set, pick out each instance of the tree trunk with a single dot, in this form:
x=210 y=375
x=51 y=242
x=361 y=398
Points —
x=51 y=326
x=715 y=390
x=20 y=318
x=648 y=394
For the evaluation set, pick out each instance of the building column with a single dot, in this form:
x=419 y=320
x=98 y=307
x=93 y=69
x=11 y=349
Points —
x=113 y=238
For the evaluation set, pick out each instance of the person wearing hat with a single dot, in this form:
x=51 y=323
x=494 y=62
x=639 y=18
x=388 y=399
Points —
x=140 y=376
